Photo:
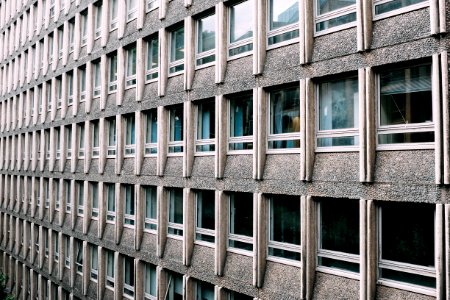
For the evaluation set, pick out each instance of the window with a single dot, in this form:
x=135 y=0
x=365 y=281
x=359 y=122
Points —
x=338 y=104
x=68 y=141
x=80 y=197
x=94 y=262
x=237 y=296
x=58 y=142
x=338 y=238
x=113 y=14
x=284 y=120
x=111 y=151
x=334 y=14
x=95 y=139
x=97 y=79
x=406 y=246
x=84 y=26
x=131 y=9
x=79 y=260
x=82 y=83
x=385 y=8
x=240 y=234
x=52 y=8
x=67 y=251
x=241 y=123
x=283 y=21
x=131 y=67
x=151 y=222
x=151 y=132
x=94 y=197
x=204 y=291
x=129 y=135
x=67 y=185
x=59 y=92
x=284 y=227
x=69 y=78
x=47 y=192
x=36 y=239
x=56 y=191
x=98 y=19
x=152 y=4
x=80 y=140
x=56 y=246
x=112 y=86
x=129 y=204
x=47 y=143
x=176 y=133
x=49 y=95
x=110 y=202
x=50 y=48
x=205 y=216
x=241 y=28
x=174 y=286
x=128 y=283
x=206 y=40
x=176 y=62
x=175 y=224
x=150 y=283
x=205 y=134
x=60 y=42
x=152 y=59
x=71 y=35
x=110 y=265
x=405 y=117
x=46 y=240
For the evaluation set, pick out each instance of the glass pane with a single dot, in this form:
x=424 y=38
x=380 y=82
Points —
x=285 y=219
x=94 y=195
x=338 y=104
x=150 y=202
x=206 y=120
x=283 y=13
x=409 y=239
x=206 y=34
x=205 y=291
x=151 y=130
x=129 y=200
x=338 y=264
x=205 y=209
x=241 y=214
x=241 y=117
x=408 y=278
x=284 y=253
x=409 y=137
x=152 y=54
x=338 y=141
x=150 y=279
x=393 y=5
x=130 y=139
x=241 y=21
x=176 y=124
x=205 y=238
x=176 y=206
x=339 y=225
x=284 y=37
x=240 y=50
x=131 y=61
x=177 y=44
x=326 y=6
x=112 y=133
x=351 y=17
x=111 y=198
x=285 y=111
x=405 y=96
x=113 y=68
x=240 y=245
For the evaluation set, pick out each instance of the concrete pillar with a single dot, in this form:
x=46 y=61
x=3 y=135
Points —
x=86 y=266
x=437 y=116
x=55 y=45
x=64 y=95
x=140 y=216
x=445 y=117
x=62 y=146
x=370 y=124
x=140 y=66
x=51 y=210
x=189 y=52
x=122 y=18
x=139 y=269
x=163 y=60
x=101 y=273
x=140 y=138
x=162 y=220
x=307 y=17
x=73 y=165
x=163 y=8
x=363 y=249
x=118 y=276
x=76 y=92
x=189 y=225
x=105 y=23
x=162 y=140
x=260 y=36
x=77 y=37
x=120 y=75
x=74 y=212
x=189 y=138
x=87 y=207
x=90 y=29
x=221 y=136
x=434 y=16
x=261 y=134
x=221 y=42
x=311 y=251
x=62 y=202
x=89 y=87
x=119 y=213
x=372 y=246
x=309 y=129
x=221 y=243
x=42 y=196
x=362 y=125
x=73 y=258
x=261 y=240
x=51 y=162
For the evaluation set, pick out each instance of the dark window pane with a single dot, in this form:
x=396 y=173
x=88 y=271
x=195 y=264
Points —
x=393 y=5
x=408 y=277
x=205 y=209
x=285 y=219
x=338 y=264
x=407 y=137
x=241 y=214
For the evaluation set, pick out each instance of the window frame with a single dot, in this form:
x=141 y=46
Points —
x=112 y=85
x=282 y=30
x=81 y=134
x=150 y=222
x=176 y=227
x=68 y=194
x=83 y=28
x=204 y=142
x=397 y=11
x=201 y=230
x=179 y=62
x=113 y=20
x=111 y=149
x=148 y=146
x=148 y=296
x=79 y=258
x=82 y=83
x=175 y=144
x=209 y=53
x=241 y=139
x=67 y=252
x=109 y=278
x=98 y=20
x=128 y=290
x=95 y=127
x=97 y=80
x=130 y=79
x=239 y=237
x=244 y=42
x=132 y=11
x=150 y=72
x=110 y=214
x=332 y=15
x=129 y=149
x=129 y=220
x=94 y=271
x=149 y=5
x=93 y=189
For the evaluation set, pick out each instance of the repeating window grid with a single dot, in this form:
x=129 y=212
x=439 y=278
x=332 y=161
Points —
x=204 y=116
x=150 y=221
x=111 y=146
x=94 y=197
x=290 y=30
x=151 y=73
x=112 y=84
x=97 y=79
x=209 y=55
x=334 y=14
x=95 y=139
x=409 y=7
x=176 y=65
x=152 y=4
x=131 y=67
x=110 y=203
x=243 y=45
x=129 y=206
x=151 y=133
x=130 y=142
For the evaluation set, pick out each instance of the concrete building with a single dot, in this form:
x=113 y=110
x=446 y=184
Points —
x=209 y=149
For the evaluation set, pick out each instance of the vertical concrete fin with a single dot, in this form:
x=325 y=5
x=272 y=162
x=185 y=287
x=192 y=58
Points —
x=189 y=225
x=221 y=136
x=221 y=220
x=302 y=129
x=221 y=41
x=261 y=243
x=362 y=124
x=163 y=59
x=435 y=79
x=162 y=220
x=310 y=129
x=189 y=138
x=162 y=141
x=445 y=117
x=370 y=124
x=440 y=254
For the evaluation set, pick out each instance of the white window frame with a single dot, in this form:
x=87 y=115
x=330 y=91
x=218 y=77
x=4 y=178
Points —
x=95 y=149
x=113 y=21
x=176 y=63
x=67 y=187
x=57 y=198
x=46 y=241
x=280 y=31
x=95 y=210
x=94 y=272
x=129 y=149
x=334 y=133
x=55 y=246
x=70 y=93
x=148 y=146
x=147 y=296
x=109 y=284
x=110 y=215
x=241 y=43
x=82 y=77
x=394 y=12
x=48 y=95
x=52 y=8
x=111 y=149
x=132 y=11
x=78 y=265
x=149 y=73
x=173 y=144
x=203 y=142
x=83 y=27
x=80 y=208
x=203 y=231
x=67 y=250
x=151 y=5
x=238 y=237
x=208 y=53
x=58 y=142
x=59 y=95
x=80 y=140
x=47 y=144
x=97 y=24
x=149 y=222
x=112 y=85
x=409 y=128
x=97 y=82
x=171 y=225
x=331 y=15
x=403 y=267
x=71 y=36
x=131 y=80
x=240 y=139
x=50 y=47
x=129 y=220
x=60 y=42
x=68 y=141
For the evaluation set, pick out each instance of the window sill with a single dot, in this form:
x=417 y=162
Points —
x=176 y=74
x=282 y=151
x=399 y=11
x=337 y=149
x=284 y=261
x=204 y=66
x=248 y=53
x=406 y=146
x=175 y=237
x=282 y=44
x=177 y=154
x=240 y=251
x=337 y=272
x=408 y=287
x=204 y=244
x=205 y=153
x=240 y=152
